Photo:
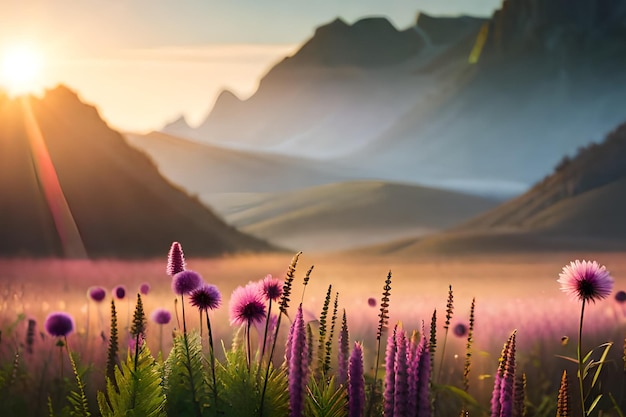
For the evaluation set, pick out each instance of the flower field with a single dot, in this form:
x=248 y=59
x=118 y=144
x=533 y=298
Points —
x=419 y=337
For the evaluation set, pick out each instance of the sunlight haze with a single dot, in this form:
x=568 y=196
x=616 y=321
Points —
x=145 y=63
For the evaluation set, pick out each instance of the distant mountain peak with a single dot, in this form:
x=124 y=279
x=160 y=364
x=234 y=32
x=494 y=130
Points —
x=369 y=42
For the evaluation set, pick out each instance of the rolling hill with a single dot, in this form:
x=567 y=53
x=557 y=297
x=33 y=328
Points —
x=580 y=206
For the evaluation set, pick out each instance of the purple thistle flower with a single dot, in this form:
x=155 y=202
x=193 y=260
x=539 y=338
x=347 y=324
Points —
x=59 y=324
x=206 y=297
x=344 y=351
x=460 y=330
x=247 y=305
x=175 y=260
x=401 y=371
x=272 y=288
x=390 y=376
x=356 y=383
x=371 y=302
x=586 y=281
x=423 y=380
x=97 y=294
x=508 y=380
x=144 y=288
x=161 y=316
x=185 y=282
x=620 y=296
x=119 y=292
x=298 y=368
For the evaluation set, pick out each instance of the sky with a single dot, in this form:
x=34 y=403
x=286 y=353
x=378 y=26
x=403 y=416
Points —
x=146 y=62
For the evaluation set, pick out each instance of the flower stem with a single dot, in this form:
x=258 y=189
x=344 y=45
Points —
x=580 y=362
x=182 y=303
x=212 y=353
x=248 y=345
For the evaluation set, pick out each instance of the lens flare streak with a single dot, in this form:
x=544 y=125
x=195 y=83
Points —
x=67 y=230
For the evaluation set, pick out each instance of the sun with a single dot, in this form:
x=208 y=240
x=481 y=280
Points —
x=20 y=69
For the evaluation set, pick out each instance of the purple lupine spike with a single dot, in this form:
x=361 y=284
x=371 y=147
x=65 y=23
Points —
x=289 y=344
x=508 y=380
x=497 y=384
x=415 y=349
x=175 y=260
x=401 y=370
x=390 y=376
x=356 y=383
x=423 y=381
x=298 y=366
x=344 y=351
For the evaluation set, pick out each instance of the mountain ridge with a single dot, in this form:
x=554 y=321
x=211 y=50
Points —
x=120 y=204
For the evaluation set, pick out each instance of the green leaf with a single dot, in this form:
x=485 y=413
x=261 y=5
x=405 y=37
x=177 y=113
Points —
x=617 y=409
x=464 y=396
x=600 y=363
x=140 y=392
x=187 y=378
x=326 y=400
x=593 y=404
x=78 y=399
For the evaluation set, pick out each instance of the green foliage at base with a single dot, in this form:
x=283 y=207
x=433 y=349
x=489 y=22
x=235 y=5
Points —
x=140 y=391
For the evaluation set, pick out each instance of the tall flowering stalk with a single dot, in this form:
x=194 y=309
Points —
x=161 y=317
x=271 y=289
x=584 y=281
x=563 y=408
x=284 y=304
x=401 y=370
x=247 y=308
x=502 y=395
x=356 y=383
x=298 y=366
x=383 y=321
x=60 y=324
x=175 y=260
x=390 y=373
x=344 y=351
x=204 y=298
x=423 y=379
x=508 y=381
x=446 y=327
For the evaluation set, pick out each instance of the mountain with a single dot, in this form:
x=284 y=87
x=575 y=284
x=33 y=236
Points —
x=71 y=186
x=300 y=203
x=487 y=106
x=580 y=206
x=205 y=170
x=353 y=214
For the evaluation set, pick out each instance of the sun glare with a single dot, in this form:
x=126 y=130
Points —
x=21 y=67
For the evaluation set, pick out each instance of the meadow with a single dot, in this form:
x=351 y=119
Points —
x=512 y=293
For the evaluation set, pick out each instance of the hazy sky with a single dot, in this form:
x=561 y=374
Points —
x=143 y=62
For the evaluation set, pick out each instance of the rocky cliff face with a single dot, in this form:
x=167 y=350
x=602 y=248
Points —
x=563 y=32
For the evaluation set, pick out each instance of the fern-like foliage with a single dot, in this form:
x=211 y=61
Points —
x=241 y=392
x=112 y=358
x=77 y=398
x=140 y=392
x=326 y=399
x=187 y=382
